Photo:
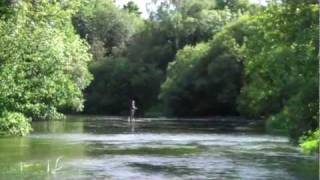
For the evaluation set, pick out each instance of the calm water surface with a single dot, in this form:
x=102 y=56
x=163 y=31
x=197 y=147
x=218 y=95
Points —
x=110 y=148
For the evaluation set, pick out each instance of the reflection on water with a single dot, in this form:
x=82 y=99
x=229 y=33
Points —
x=112 y=148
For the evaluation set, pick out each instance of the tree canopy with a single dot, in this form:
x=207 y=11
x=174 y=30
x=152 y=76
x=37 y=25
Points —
x=189 y=58
x=281 y=67
x=43 y=62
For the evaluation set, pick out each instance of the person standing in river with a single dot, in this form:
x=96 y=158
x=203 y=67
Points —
x=133 y=109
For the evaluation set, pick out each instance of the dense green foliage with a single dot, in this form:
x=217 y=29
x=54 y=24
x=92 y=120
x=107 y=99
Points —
x=189 y=58
x=310 y=142
x=106 y=27
x=204 y=58
x=206 y=79
x=13 y=123
x=131 y=7
x=281 y=67
x=148 y=46
x=43 y=63
x=117 y=82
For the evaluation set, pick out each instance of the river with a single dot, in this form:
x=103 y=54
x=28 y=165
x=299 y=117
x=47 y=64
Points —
x=96 y=147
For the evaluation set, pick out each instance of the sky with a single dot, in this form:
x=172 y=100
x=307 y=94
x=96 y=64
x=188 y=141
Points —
x=143 y=4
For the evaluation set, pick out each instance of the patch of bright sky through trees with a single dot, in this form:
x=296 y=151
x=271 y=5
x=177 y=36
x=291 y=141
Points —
x=144 y=5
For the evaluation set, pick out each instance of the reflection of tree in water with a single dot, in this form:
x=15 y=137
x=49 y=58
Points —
x=59 y=126
x=32 y=153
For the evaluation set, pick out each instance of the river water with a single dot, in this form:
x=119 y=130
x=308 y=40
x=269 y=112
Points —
x=111 y=148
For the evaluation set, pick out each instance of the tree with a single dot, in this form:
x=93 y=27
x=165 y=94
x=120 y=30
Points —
x=118 y=81
x=43 y=63
x=206 y=79
x=281 y=67
x=102 y=22
x=131 y=7
x=147 y=50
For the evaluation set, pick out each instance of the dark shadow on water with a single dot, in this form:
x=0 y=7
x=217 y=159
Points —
x=166 y=169
x=163 y=151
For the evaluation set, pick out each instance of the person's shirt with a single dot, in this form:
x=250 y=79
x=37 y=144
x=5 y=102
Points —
x=133 y=106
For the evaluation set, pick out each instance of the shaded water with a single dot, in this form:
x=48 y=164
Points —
x=110 y=148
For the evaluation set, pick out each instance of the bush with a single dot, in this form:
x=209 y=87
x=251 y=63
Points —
x=281 y=66
x=310 y=143
x=43 y=68
x=277 y=124
x=205 y=79
x=13 y=123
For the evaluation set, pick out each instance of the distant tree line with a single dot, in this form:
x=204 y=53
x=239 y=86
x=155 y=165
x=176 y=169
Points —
x=206 y=58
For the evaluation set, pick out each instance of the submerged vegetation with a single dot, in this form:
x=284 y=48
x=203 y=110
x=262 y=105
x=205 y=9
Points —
x=189 y=58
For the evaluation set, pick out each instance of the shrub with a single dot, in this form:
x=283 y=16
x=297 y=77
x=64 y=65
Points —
x=310 y=143
x=13 y=123
x=277 y=124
